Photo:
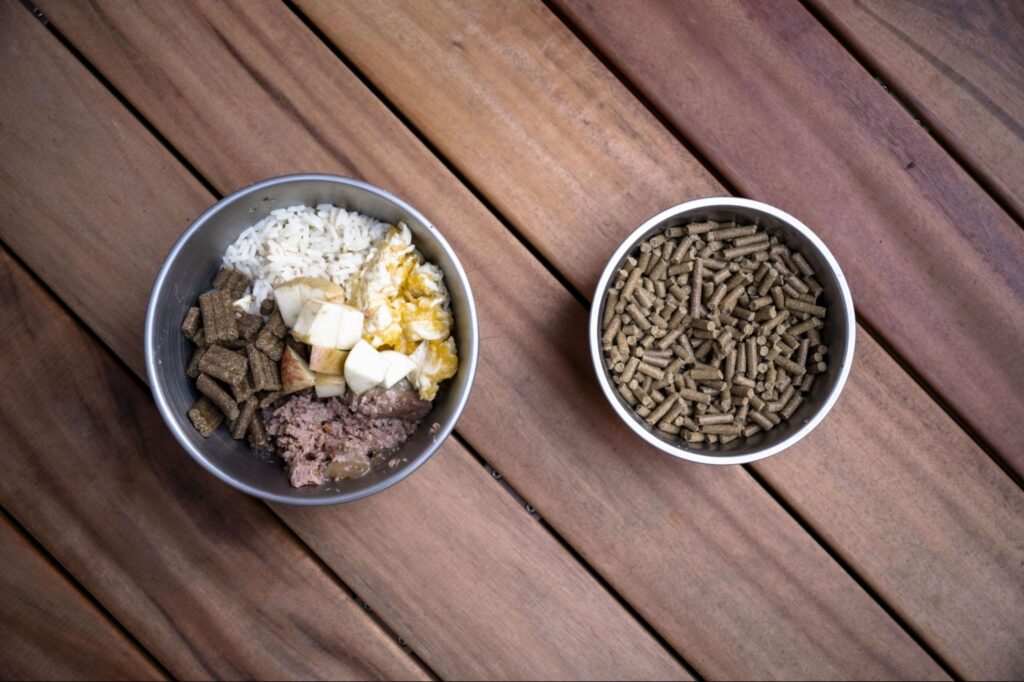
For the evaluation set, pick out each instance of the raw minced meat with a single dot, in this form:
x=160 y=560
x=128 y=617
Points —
x=335 y=438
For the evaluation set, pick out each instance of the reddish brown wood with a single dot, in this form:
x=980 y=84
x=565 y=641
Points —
x=776 y=104
x=960 y=64
x=516 y=89
x=496 y=582
x=707 y=556
x=205 y=578
x=52 y=631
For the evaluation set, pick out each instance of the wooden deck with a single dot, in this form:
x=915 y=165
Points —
x=889 y=544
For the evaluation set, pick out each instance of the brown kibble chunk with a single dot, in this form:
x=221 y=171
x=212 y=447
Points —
x=233 y=282
x=193 y=365
x=240 y=425
x=258 y=433
x=217 y=395
x=270 y=398
x=276 y=325
x=243 y=390
x=248 y=325
x=205 y=417
x=219 y=322
x=267 y=342
x=190 y=326
x=224 y=364
x=268 y=306
x=266 y=375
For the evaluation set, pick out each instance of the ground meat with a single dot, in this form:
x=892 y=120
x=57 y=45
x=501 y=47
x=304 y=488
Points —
x=393 y=402
x=336 y=437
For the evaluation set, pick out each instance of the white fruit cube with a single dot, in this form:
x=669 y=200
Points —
x=364 y=368
x=329 y=385
x=330 y=325
x=399 y=366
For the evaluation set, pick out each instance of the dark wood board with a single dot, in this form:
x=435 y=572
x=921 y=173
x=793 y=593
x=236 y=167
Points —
x=960 y=65
x=532 y=331
x=51 y=630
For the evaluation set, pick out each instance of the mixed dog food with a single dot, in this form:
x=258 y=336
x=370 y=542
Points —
x=711 y=332
x=324 y=339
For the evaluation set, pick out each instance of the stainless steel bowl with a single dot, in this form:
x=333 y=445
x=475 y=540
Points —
x=838 y=333
x=188 y=271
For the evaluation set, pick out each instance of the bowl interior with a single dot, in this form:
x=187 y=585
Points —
x=835 y=334
x=189 y=271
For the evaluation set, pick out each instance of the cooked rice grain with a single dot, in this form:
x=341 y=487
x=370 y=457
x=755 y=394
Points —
x=300 y=241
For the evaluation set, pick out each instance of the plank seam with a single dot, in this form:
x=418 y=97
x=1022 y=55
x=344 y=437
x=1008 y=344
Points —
x=931 y=125
x=591 y=571
x=331 y=574
x=86 y=594
x=987 y=448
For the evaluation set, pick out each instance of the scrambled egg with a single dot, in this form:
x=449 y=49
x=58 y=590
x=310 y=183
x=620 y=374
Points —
x=407 y=309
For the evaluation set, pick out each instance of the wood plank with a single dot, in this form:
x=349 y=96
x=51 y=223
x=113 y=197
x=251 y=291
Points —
x=712 y=560
x=480 y=622
x=514 y=88
x=204 y=577
x=961 y=65
x=776 y=104
x=51 y=631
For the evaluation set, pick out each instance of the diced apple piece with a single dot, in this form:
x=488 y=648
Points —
x=399 y=367
x=294 y=293
x=330 y=325
x=295 y=373
x=350 y=328
x=329 y=385
x=327 y=360
x=364 y=368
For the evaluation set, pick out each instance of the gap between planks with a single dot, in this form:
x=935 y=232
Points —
x=331 y=575
x=71 y=580
x=504 y=485
x=585 y=302
x=877 y=72
x=735 y=190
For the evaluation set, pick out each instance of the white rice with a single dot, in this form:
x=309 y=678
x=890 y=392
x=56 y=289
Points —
x=299 y=241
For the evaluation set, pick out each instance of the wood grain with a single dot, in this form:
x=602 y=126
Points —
x=513 y=588
x=204 y=577
x=961 y=65
x=518 y=88
x=708 y=557
x=783 y=111
x=51 y=631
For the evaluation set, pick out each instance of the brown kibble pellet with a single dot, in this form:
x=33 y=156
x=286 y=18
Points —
x=217 y=395
x=792 y=406
x=801 y=307
x=190 y=325
x=240 y=425
x=223 y=364
x=205 y=417
x=722 y=429
x=193 y=365
x=219 y=322
x=232 y=282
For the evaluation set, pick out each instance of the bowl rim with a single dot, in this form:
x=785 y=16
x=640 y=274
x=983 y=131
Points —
x=468 y=361
x=594 y=336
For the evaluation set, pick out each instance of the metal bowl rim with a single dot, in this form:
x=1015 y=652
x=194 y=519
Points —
x=467 y=364
x=629 y=243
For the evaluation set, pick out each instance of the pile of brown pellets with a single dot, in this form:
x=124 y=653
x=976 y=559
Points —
x=710 y=332
x=235 y=363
